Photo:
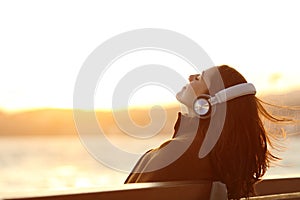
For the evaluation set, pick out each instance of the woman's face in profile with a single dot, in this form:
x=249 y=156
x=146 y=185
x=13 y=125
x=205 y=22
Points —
x=192 y=90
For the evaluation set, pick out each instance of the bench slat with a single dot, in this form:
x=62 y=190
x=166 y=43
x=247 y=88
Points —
x=287 y=188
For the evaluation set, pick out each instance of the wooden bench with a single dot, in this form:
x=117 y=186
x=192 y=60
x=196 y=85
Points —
x=288 y=188
x=138 y=191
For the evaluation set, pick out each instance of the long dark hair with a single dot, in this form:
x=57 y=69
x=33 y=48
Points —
x=241 y=156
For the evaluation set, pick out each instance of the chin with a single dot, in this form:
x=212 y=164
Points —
x=178 y=97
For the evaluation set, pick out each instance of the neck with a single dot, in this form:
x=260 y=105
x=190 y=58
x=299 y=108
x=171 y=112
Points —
x=190 y=112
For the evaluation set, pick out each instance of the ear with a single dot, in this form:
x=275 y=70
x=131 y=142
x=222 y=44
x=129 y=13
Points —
x=202 y=107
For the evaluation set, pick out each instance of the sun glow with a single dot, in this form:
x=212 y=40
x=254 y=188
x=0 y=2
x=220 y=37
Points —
x=41 y=56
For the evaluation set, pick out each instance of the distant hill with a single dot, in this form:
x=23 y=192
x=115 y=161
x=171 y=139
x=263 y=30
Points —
x=286 y=99
x=37 y=122
x=60 y=121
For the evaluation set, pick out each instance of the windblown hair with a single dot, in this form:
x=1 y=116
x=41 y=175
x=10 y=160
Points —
x=241 y=156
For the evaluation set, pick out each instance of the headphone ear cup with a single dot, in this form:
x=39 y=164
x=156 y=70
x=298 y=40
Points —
x=202 y=107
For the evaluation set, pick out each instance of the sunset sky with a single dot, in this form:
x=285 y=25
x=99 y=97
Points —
x=43 y=45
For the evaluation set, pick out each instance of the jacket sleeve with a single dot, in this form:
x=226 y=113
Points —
x=136 y=172
x=139 y=173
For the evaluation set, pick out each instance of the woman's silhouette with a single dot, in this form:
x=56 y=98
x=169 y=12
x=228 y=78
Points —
x=241 y=154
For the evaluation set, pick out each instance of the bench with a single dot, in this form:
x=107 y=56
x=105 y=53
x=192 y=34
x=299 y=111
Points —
x=288 y=188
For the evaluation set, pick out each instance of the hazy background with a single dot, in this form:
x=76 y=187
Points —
x=43 y=45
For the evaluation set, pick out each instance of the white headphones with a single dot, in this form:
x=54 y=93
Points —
x=204 y=105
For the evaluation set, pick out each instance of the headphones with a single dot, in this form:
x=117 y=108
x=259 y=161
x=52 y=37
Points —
x=204 y=105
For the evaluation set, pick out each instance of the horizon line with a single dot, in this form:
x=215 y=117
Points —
x=3 y=109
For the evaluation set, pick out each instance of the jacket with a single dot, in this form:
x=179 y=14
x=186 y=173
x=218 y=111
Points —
x=176 y=159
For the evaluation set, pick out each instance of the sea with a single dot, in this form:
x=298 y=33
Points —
x=37 y=164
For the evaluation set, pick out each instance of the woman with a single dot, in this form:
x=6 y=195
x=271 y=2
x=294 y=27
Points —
x=240 y=156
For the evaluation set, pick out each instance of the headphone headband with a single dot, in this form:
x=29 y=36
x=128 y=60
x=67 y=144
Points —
x=232 y=93
x=203 y=104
